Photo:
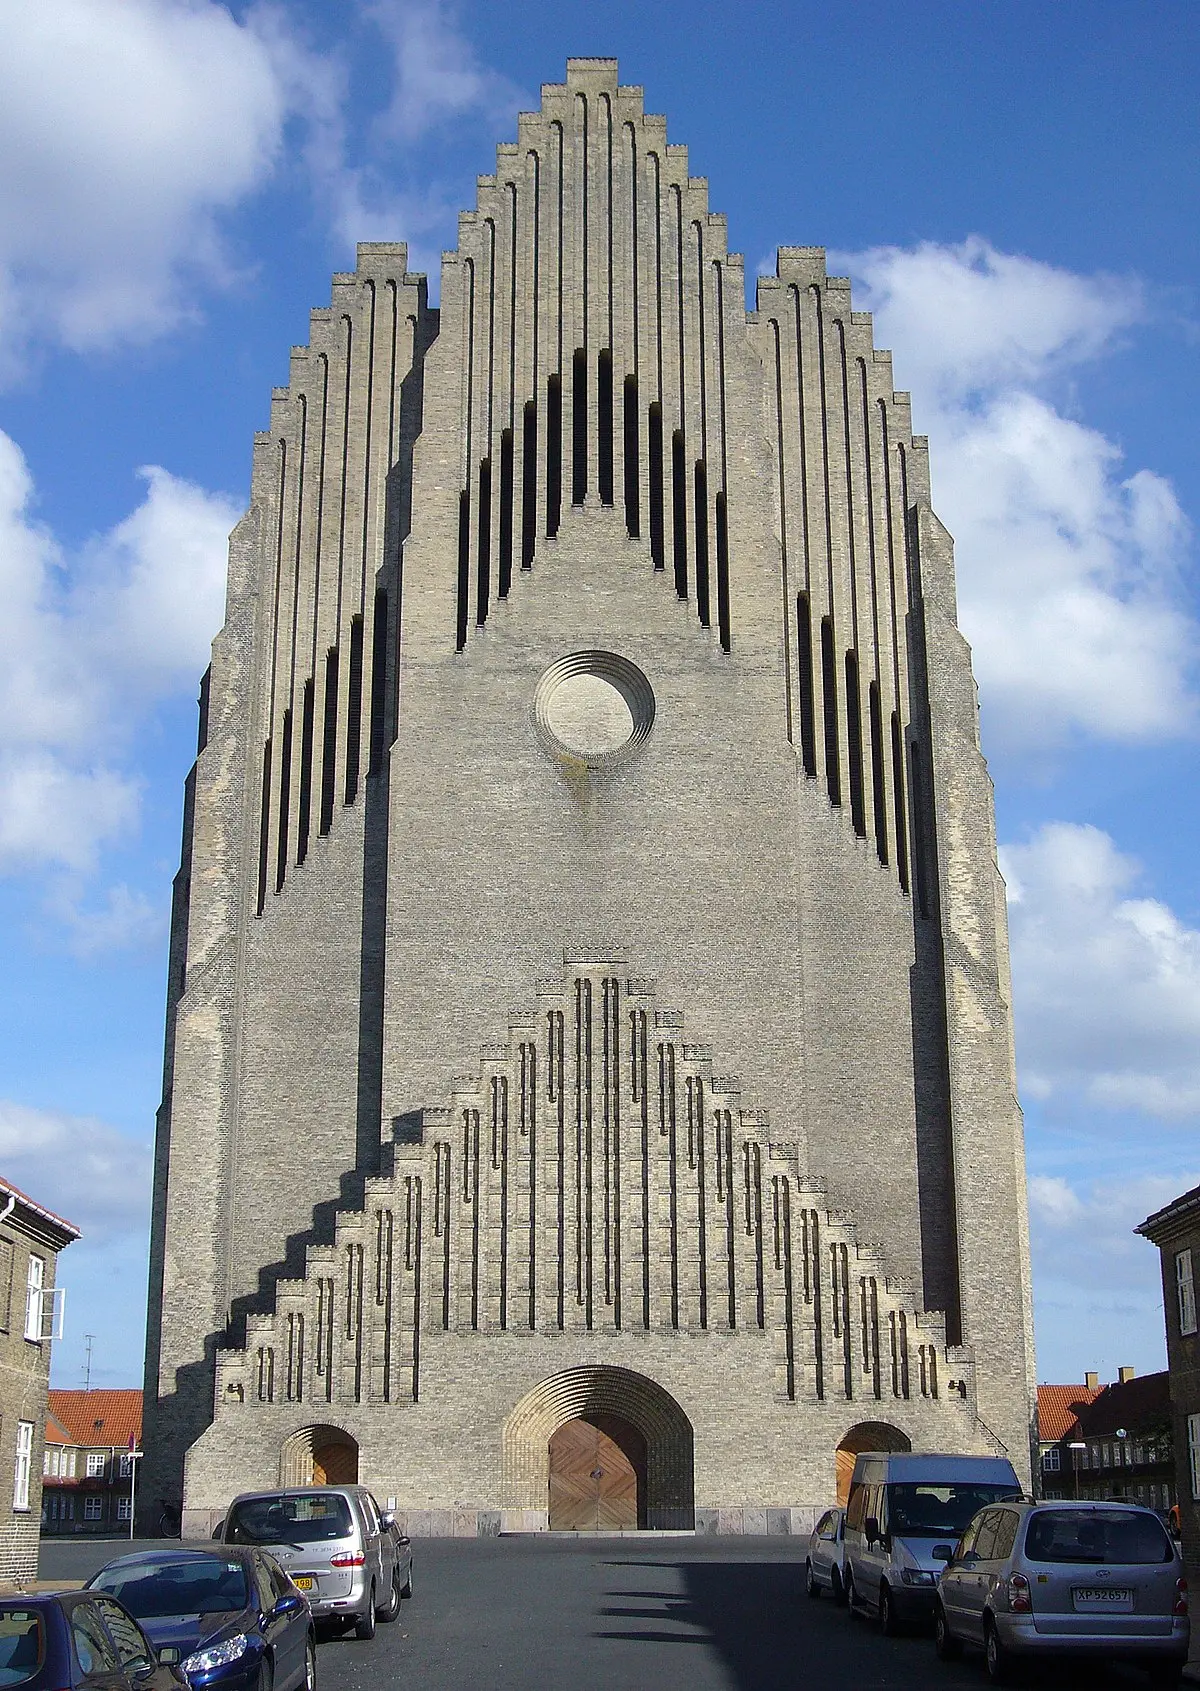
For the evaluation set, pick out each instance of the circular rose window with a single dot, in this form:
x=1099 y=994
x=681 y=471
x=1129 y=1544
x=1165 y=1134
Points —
x=594 y=707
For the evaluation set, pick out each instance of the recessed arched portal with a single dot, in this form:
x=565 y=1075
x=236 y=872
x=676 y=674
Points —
x=319 y=1456
x=610 y=1419
x=867 y=1435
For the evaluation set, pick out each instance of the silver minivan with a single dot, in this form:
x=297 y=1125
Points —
x=335 y=1545
x=904 y=1515
x=1068 y=1581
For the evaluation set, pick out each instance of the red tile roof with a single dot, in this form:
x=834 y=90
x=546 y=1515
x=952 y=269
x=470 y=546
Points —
x=98 y=1418
x=6 y=1186
x=1059 y=1408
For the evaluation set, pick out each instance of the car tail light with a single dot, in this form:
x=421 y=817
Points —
x=347 y=1559
x=1181 y=1607
x=1020 y=1601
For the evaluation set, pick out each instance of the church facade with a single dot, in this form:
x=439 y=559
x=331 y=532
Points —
x=590 y=1093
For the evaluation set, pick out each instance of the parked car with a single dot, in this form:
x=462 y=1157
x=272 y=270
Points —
x=337 y=1546
x=1057 y=1580
x=826 y=1549
x=73 y=1638
x=904 y=1515
x=236 y=1620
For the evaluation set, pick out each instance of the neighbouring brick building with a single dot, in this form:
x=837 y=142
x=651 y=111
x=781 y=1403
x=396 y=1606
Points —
x=1175 y=1229
x=93 y=1441
x=31 y=1237
x=1112 y=1441
x=590 y=1093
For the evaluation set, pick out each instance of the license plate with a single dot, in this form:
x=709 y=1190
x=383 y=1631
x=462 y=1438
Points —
x=302 y=1582
x=1103 y=1597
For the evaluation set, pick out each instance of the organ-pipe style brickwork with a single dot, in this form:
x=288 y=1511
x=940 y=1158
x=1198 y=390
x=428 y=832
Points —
x=591 y=647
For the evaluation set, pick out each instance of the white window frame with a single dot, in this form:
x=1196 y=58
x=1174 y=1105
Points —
x=1185 y=1291
x=93 y=1507
x=124 y=1508
x=1052 y=1460
x=35 y=1292
x=1193 y=1441
x=21 y=1473
x=125 y=1466
x=96 y=1462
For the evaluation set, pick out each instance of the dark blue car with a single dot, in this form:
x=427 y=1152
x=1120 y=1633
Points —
x=57 y=1641
x=235 y=1617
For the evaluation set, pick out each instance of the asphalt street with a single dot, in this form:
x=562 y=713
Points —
x=618 y=1614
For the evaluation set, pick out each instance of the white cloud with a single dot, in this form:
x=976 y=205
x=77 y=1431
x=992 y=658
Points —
x=85 y=1170
x=1068 y=569
x=1083 y=1234
x=87 y=644
x=1106 y=985
x=438 y=75
x=126 y=128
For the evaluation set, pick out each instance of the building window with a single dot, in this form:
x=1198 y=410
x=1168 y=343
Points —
x=93 y=1508
x=24 y=1463
x=35 y=1293
x=51 y=1460
x=66 y=1508
x=126 y=1466
x=95 y=1464
x=1193 y=1436
x=1051 y=1460
x=124 y=1508
x=1185 y=1286
x=66 y=1465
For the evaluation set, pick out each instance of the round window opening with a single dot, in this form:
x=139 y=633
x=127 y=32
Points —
x=594 y=707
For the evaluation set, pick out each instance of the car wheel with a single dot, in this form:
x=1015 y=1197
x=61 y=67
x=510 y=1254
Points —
x=995 y=1656
x=406 y=1590
x=836 y=1588
x=266 y=1675
x=947 y=1646
x=889 y=1620
x=392 y=1607
x=852 y=1598
x=811 y=1588
x=364 y=1624
x=310 y=1664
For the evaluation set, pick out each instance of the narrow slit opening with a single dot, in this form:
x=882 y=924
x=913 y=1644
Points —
x=854 y=745
x=505 y=539
x=529 y=484
x=833 y=773
x=723 y=571
x=329 y=740
x=679 y=514
x=702 y=589
x=579 y=428
x=920 y=854
x=379 y=655
x=354 y=683
x=898 y=801
x=657 y=548
x=604 y=446
x=285 y=800
x=553 y=455
x=264 y=829
x=464 y=565
x=633 y=513
x=878 y=787
x=804 y=674
x=483 y=543
x=304 y=809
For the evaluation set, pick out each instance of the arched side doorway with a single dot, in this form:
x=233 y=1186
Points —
x=867 y=1435
x=319 y=1456
x=597 y=1475
x=630 y=1412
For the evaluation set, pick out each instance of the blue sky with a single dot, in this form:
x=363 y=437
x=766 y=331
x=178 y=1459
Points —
x=1013 y=190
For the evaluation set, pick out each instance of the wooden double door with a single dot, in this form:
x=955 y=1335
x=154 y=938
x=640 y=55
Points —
x=597 y=1476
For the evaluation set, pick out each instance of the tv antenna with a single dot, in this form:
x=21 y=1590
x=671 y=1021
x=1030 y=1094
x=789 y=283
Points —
x=88 y=1340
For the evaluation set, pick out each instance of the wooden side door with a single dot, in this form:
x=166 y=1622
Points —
x=597 y=1476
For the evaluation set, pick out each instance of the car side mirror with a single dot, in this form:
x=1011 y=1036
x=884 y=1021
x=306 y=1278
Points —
x=968 y=1558
x=169 y=1655
x=942 y=1553
x=289 y=1604
x=871 y=1529
x=387 y=1519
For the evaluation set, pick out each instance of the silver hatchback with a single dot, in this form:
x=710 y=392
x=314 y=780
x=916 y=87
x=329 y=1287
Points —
x=1065 y=1580
x=824 y=1566
x=335 y=1544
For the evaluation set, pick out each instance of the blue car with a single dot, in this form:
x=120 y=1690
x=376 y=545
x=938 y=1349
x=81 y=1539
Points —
x=67 y=1639
x=236 y=1619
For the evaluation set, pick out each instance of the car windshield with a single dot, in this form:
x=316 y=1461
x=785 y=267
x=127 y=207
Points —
x=925 y=1510
x=197 y=1585
x=22 y=1645
x=1096 y=1536
x=302 y=1519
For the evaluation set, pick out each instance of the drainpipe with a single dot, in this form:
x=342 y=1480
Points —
x=9 y=1207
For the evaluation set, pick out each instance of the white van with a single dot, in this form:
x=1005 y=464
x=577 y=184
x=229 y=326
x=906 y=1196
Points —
x=904 y=1516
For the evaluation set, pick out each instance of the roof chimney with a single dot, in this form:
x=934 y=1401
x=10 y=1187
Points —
x=1091 y=1382
x=1124 y=1375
